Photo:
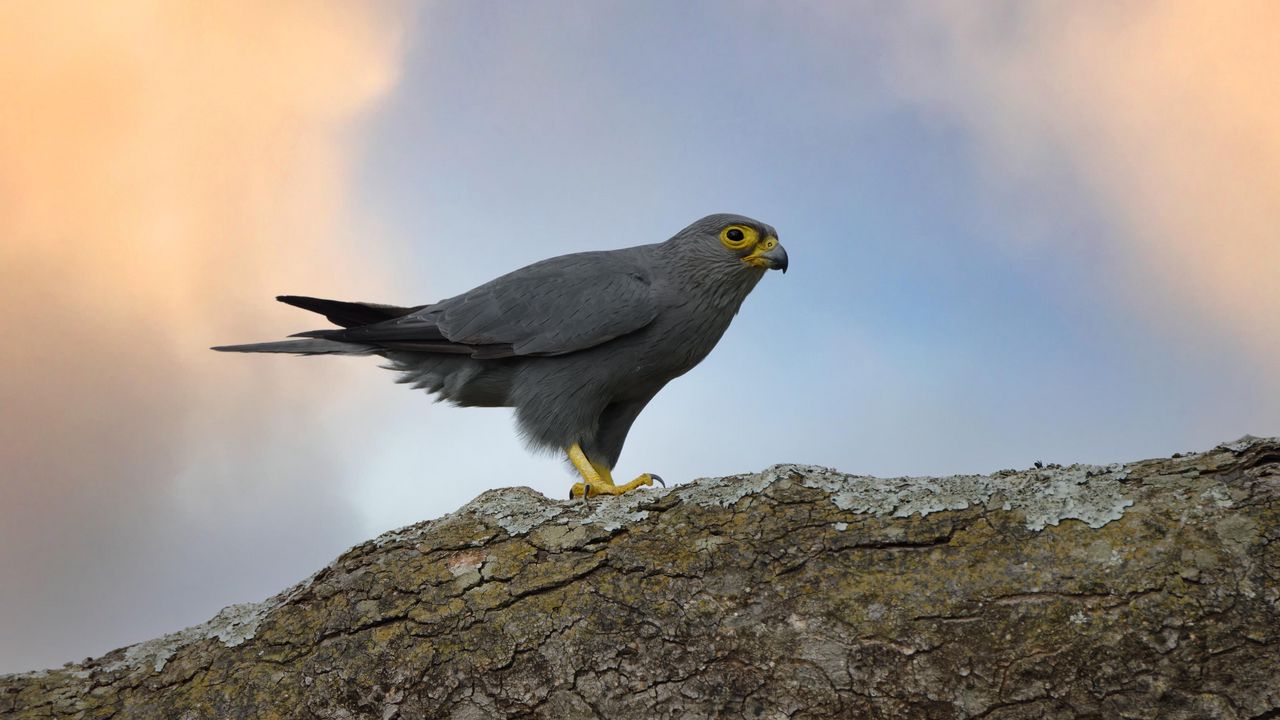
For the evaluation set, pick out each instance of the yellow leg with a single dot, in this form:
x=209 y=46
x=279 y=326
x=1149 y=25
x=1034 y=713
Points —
x=597 y=479
x=603 y=471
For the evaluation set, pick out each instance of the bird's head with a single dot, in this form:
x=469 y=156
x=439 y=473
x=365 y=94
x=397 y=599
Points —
x=734 y=242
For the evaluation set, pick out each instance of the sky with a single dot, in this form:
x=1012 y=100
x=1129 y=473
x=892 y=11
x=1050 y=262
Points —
x=1018 y=231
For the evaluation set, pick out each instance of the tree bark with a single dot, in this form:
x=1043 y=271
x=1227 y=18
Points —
x=1143 y=590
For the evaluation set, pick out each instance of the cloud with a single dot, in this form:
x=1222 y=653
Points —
x=1165 y=113
x=165 y=168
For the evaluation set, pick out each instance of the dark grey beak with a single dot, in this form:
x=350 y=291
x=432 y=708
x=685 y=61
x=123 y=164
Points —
x=776 y=258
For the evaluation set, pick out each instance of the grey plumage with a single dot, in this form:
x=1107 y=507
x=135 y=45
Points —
x=576 y=344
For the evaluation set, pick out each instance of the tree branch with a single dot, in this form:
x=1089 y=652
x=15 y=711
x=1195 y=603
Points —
x=1139 y=590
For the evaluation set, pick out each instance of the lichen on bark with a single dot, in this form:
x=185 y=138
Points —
x=1150 y=589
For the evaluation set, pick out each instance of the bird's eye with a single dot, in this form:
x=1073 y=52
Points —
x=737 y=237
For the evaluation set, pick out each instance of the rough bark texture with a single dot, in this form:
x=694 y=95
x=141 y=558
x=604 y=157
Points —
x=1143 y=590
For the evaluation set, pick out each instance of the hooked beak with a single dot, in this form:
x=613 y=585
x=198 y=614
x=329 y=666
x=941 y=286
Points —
x=773 y=259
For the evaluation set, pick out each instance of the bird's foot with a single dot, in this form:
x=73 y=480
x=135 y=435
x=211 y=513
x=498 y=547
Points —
x=597 y=478
x=588 y=489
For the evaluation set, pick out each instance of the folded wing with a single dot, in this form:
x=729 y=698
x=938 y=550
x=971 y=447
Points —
x=558 y=306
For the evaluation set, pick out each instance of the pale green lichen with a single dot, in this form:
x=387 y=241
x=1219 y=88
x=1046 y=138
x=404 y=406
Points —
x=1243 y=443
x=613 y=513
x=519 y=510
x=232 y=626
x=724 y=491
x=516 y=510
x=1088 y=493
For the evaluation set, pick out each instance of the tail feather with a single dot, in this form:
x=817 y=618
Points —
x=301 y=347
x=317 y=342
x=347 y=314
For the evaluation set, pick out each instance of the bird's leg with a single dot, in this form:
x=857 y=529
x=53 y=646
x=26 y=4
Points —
x=597 y=479
x=593 y=481
x=604 y=471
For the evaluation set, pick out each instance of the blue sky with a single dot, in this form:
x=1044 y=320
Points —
x=1018 y=232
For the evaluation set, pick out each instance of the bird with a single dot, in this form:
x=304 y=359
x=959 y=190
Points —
x=576 y=344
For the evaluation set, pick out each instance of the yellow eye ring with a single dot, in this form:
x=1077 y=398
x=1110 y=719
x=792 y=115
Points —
x=738 y=237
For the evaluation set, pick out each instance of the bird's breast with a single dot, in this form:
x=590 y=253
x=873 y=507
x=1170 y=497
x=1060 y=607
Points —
x=677 y=340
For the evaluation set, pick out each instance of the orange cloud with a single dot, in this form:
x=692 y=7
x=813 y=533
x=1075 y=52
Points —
x=150 y=147
x=1167 y=111
x=165 y=164
x=166 y=167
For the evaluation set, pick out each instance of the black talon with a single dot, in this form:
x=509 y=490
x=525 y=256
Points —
x=657 y=479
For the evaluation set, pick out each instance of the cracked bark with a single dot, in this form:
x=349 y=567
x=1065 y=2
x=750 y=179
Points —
x=760 y=596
